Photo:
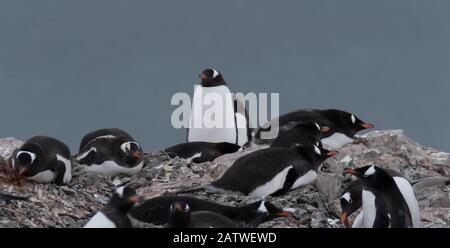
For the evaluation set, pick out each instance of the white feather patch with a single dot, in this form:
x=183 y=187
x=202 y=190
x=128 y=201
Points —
x=68 y=165
x=336 y=141
x=369 y=171
x=347 y=196
x=306 y=179
x=100 y=221
x=262 y=208
x=359 y=221
x=273 y=185
x=111 y=168
x=119 y=191
x=369 y=208
x=197 y=155
x=215 y=73
x=84 y=154
x=408 y=194
x=46 y=176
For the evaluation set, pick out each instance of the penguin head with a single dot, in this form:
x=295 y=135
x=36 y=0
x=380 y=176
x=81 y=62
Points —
x=128 y=152
x=27 y=160
x=344 y=122
x=351 y=200
x=269 y=210
x=370 y=174
x=211 y=77
x=179 y=214
x=315 y=154
x=124 y=198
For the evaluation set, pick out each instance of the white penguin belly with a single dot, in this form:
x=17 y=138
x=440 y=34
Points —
x=273 y=185
x=308 y=178
x=369 y=208
x=68 y=165
x=408 y=194
x=46 y=176
x=336 y=141
x=241 y=122
x=111 y=168
x=100 y=221
x=197 y=155
x=222 y=128
x=359 y=221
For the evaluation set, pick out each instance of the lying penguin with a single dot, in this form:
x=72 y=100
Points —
x=341 y=126
x=199 y=152
x=351 y=198
x=115 y=213
x=110 y=152
x=43 y=159
x=271 y=171
x=387 y=201
x=156 y=210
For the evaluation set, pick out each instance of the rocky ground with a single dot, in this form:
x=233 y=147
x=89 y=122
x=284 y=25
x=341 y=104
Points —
x=316 y=205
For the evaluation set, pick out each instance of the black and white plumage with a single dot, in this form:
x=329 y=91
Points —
x=273 y=171
x=387 y=201
x=43 y=159
x=341 y=126
x=115 y=213
x=181 y=216
x=305 y=133
x=110 y=152
x=199 y=152
x=156 y=210
x=233 y=121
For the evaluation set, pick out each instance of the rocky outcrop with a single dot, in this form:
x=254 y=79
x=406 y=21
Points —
x=316 y=205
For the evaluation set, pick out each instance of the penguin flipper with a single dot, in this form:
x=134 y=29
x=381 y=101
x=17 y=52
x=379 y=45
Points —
x=429 y=182
x=60 y=170
x=291 y=177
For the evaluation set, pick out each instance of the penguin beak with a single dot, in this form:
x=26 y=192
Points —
x=367 y=125
x=136 y=154
x=344 y=219
x=22 y=171
x=332 y=153
x=283 y=214
x=202 y=77
x=325 y=129
x=134 y=199
x=350 y=171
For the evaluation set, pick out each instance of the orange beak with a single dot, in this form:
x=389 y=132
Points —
x=332 y=153
x=202 y=76
x=349 y=171
x=344 y=219
x=325 y=129
x=134 y=199
x=367 y=125
x=136 y=154
x=283 y=214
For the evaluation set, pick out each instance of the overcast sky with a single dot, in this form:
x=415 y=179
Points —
x=69 y=67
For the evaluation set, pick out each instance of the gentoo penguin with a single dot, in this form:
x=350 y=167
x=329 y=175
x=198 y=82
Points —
x=180 y=216
x=7 y=197
x=341 y=126
x=199 y=152
x=156 y=210
x=351 y=198
x=216 y=115
x=387 y=201
x=271 y=171
x=110 y=152
x=115 y=213
x=305 y=133
x=43 y=159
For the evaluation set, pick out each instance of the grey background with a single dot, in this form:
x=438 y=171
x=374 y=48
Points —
x=69 y=67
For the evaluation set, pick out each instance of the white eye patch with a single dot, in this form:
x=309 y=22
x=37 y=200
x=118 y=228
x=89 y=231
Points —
x=262 y=208
x=126 y=147
x=119 y=191
x=353 y=118
x=215 y=73
x=32 y=155
x=317 y=150
x=369 y=171
x=317 y=125
x=187 y=208
x=347 y=196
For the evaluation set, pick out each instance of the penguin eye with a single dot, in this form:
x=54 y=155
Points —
x=31 y=156
x=353 y=118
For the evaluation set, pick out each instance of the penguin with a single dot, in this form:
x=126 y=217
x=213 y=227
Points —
x=110 y=152
x=115 y=213
x=199 y=152
x=387 y=201
x=305 y=133
x=351 y=198
x=271 y=171
x=7 y=197
x=341 y=126
x=44 y=160
x=156 y=210
x=213 y=94
x=180 y=216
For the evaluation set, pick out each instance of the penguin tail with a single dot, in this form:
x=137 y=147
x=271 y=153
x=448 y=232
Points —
x=430 y=182
x=190 y=191
x=6 y=197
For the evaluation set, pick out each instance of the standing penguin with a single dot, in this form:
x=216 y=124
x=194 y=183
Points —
x=110 y=152
x=43 y=159
x=387 y=201
x=212 y=98
x=156 y=210
x=115 y=213
x=180 y=216
x=341 y=126
x=199 y=152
